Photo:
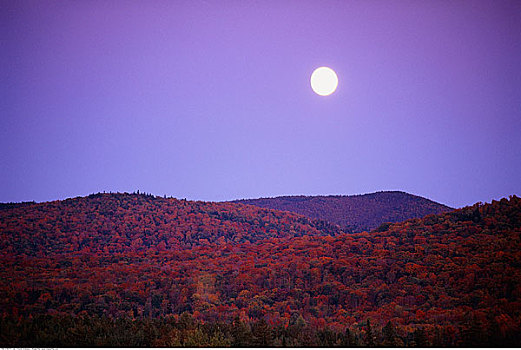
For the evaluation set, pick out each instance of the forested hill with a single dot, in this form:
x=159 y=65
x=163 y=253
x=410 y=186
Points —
x=134 y=270
x=355 y=213
x=117 y=222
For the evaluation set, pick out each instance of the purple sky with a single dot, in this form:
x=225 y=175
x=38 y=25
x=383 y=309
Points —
x=211 y=100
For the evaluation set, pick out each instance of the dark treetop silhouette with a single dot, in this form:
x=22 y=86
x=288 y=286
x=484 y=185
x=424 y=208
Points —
x=355 y=213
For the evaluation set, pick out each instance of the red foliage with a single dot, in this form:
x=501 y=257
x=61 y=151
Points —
x=138 y=255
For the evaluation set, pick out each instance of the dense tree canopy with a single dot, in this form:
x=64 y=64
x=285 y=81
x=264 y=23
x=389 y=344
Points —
x=448 y=279
x=355 y=213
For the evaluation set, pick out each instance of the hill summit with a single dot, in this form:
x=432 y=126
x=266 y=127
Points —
x=355 y=213
x=119 y=221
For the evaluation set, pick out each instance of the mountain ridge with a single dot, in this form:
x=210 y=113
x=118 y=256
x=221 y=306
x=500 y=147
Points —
x=455 y=274
x=179 y=223
x=354 y=213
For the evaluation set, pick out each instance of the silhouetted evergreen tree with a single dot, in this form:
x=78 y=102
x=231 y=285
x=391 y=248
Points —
x=262 y=334
x=419 y=338
x=369 y=336
x=241 y=333
x=390 y=338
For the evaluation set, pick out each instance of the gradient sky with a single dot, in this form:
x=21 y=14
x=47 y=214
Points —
x=210 y=100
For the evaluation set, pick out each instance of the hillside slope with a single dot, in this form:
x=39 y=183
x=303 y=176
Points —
x=445 y=280
x=355 y=213
x=117 y=222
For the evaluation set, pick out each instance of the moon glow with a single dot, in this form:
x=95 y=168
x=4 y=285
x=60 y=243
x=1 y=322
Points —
x=324 y=81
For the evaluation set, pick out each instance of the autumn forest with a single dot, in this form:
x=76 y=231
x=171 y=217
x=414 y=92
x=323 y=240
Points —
x=119 y=269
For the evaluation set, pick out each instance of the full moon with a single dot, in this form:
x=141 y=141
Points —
x=324 y=81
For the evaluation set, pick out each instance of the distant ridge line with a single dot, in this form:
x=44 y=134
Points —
x=354 y=213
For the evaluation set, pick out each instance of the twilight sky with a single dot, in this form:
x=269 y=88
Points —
x=210 y=100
